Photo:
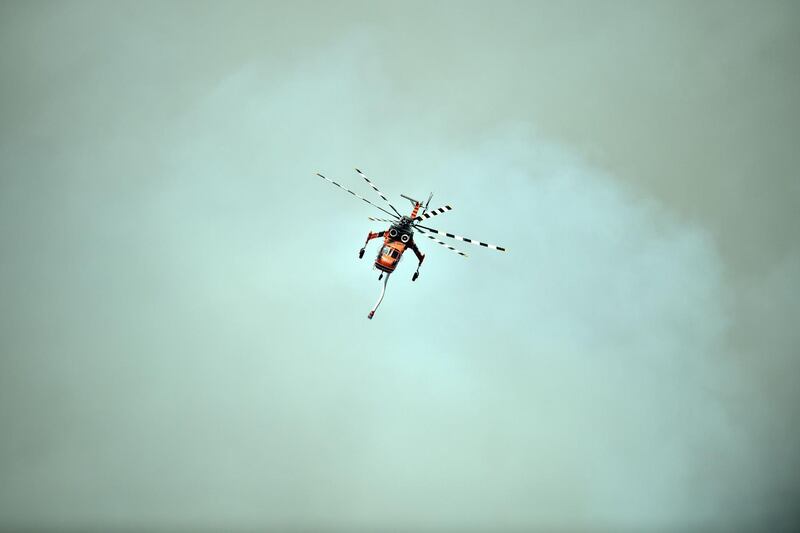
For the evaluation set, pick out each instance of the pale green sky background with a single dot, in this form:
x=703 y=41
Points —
x=183 y=332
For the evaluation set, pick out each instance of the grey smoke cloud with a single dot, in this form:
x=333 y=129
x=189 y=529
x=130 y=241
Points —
x=184 y=333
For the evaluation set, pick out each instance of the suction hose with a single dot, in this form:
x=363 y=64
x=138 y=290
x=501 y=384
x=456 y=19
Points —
x=380 y=299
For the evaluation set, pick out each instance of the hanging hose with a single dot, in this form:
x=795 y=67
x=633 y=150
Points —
x=380 y=299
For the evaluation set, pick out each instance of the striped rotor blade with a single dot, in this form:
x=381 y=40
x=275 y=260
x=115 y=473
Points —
x=464 y=239
x=433 y=213
x=379 y=192
x=382 y=220
x=431 y=237
x=354 y=194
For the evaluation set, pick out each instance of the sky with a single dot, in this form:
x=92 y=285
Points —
x=183 y=335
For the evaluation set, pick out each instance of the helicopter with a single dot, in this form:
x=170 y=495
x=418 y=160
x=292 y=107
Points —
x=400 y=235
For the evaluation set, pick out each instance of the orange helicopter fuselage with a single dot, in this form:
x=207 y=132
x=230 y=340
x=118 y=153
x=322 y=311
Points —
x=389 y=254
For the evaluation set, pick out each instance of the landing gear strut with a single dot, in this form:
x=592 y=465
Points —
x=421 y=259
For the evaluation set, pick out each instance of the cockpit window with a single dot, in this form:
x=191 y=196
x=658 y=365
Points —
x=392 y=252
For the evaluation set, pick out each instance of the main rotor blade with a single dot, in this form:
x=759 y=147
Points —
x=464 y=239
x=433 y=213
x=456 y=250
x=382 y=220
x=354 y=194
x=379 y=192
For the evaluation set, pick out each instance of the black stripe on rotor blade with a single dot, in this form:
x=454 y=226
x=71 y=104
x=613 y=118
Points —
x=459 y=238
x=433 y=213
x=437 y=241
x=354 y=194
x=375 y=188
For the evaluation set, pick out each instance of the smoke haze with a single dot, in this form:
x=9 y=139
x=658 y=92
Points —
x=183 y=323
